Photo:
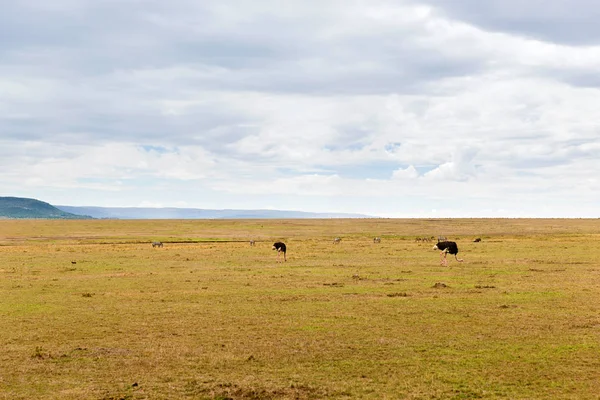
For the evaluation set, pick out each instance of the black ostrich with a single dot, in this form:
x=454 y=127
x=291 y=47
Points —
x=280 y=247
x=447 y=247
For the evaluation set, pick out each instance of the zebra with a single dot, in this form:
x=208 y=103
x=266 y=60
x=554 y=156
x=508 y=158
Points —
x=377 y=240
x=157 y=244
x=337 y=240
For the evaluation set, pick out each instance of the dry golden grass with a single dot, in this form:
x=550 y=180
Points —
x=89 y=310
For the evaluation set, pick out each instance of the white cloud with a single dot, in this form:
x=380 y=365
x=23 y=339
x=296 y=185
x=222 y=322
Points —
x=461 y=168
x=405 y=173
x=382 y=107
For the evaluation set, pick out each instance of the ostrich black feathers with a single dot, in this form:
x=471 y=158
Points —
x=281 y=248
x=448 y=247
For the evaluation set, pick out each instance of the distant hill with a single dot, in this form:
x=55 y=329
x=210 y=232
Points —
x=196 y=213
x=18 y=207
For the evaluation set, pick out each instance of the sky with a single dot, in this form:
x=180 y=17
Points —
x=390 y=108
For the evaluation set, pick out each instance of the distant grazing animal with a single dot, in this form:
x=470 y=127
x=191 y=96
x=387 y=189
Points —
x=157 y=244
x=442 y=238
x=337 y=240
x=422 y=239
x=447 y=247
x=281 y=248
x=377 y=240
x=252 y=243
x=477 y=240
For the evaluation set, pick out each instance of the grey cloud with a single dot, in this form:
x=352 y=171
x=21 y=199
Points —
x=209 y=128
x=535 y=163
x=573 y=22
x=108 y=66
x=531 y=156
x=587 y=78
x=265 y=51
x=129 y=34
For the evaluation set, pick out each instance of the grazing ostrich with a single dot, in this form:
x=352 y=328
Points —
x=377 y=240
x=280 y=247
x=337 y=240
x=157 y=244
x=252 y=243
x=447 y=247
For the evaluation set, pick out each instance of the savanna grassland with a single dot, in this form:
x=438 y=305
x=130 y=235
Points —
x=89 y=310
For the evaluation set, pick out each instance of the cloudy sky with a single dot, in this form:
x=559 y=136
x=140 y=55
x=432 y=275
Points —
x=434 y=108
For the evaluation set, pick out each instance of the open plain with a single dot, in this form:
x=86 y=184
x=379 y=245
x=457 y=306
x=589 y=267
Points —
x=90 y=310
